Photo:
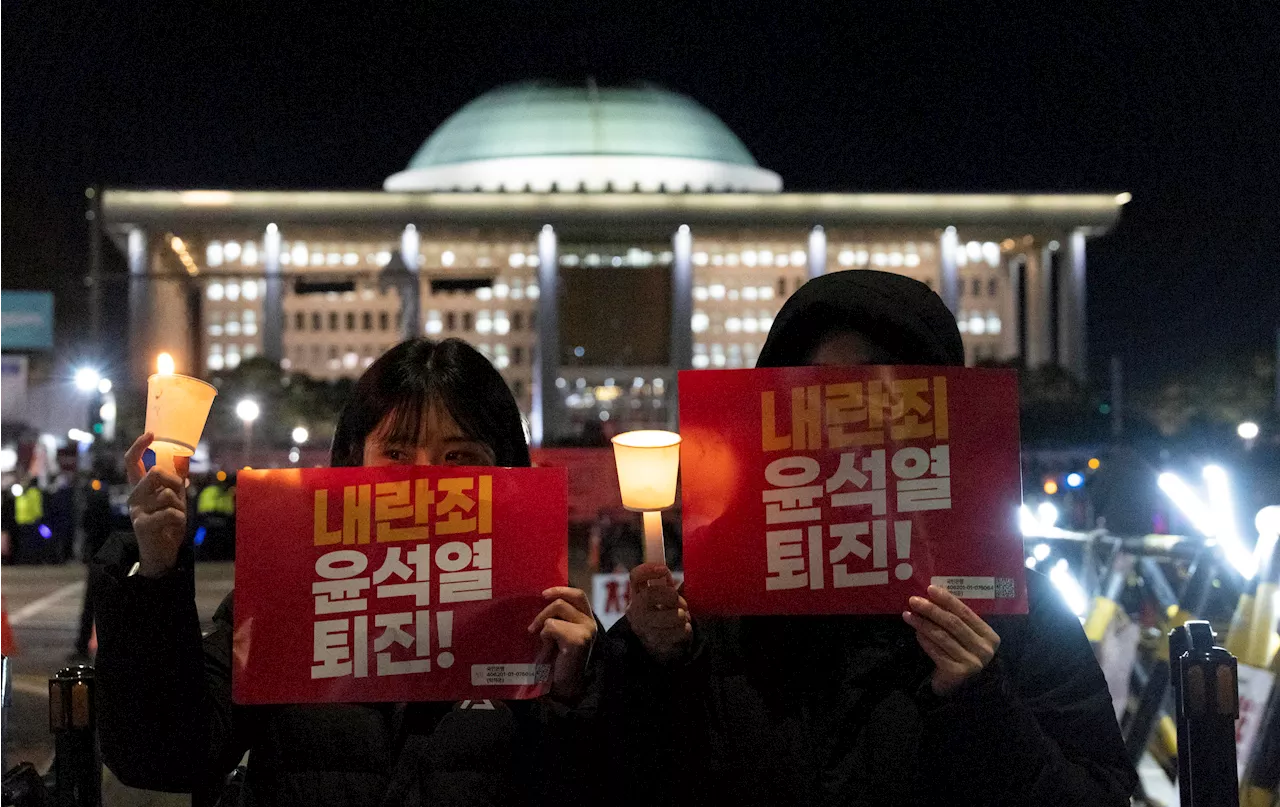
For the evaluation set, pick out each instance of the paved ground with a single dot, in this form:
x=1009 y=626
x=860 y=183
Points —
x=43 y=603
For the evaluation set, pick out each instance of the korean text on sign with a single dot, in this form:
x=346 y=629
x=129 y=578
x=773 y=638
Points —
x=406 y=586
x=849 y=488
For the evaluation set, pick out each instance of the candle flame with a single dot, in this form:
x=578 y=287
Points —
x=164 y=364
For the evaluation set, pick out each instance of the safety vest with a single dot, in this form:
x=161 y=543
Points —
x=29 y=507
x=228 y=502
x=209 y=500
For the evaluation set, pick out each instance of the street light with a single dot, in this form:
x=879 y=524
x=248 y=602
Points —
x=1247 y=430
x=104 y=386
x=248 y=411
x=87 y=379
x=300 y=435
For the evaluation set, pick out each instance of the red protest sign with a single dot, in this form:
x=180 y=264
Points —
x=844 y=490
x=395 y=584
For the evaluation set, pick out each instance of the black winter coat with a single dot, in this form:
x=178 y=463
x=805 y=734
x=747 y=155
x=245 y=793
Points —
x=839 y=711
x=167 y=721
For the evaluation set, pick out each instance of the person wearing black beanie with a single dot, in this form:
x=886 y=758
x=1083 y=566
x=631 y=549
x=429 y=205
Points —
x=935 y=706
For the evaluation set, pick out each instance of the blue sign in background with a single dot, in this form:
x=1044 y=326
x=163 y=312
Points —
x=26 y=320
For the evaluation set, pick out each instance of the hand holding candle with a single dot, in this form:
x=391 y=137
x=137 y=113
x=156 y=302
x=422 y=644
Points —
x=648 y=464
x=177 y=408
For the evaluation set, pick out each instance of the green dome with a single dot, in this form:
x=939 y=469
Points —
x=539 y=136
x=534 y=119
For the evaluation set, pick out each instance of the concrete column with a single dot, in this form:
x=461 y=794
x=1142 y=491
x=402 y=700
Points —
x=1044 y=330
x=682 y=299
x=948 y=274
x=273 y=299
x=1072 y=330
x=817 y=252
x=1009 y=307
x=410 y=285
x=139 y=304
x=545 y=412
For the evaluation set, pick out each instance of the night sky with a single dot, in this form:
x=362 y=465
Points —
x=1179 y=105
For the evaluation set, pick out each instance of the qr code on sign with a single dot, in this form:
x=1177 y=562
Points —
x=1005 y=588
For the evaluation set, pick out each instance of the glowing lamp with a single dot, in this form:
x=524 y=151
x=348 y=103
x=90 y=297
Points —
x=177 y=408
x=648 y=464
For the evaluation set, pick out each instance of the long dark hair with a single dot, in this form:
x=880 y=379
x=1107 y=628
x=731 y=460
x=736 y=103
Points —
x=415 y=375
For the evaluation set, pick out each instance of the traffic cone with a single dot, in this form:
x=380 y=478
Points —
x=8 y=644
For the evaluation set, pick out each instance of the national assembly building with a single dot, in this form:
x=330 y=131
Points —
x=591 y=241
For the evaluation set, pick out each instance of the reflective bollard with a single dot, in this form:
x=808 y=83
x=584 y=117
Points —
x=72 y=721
x=1208 y=703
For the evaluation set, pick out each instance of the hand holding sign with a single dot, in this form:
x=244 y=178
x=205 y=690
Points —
x=958 y=641
x=569 y=624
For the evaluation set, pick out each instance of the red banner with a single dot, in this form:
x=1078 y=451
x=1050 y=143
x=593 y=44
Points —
x=844 y=490
x=395 y=584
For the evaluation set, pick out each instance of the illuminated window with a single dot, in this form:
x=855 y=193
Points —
x=750 y=324
x=700 y=259
x=716 y=291
x=531 y=291
x=231 y=250
x=300 y=254
x=798 y=257
x=233 y=328
x=501 y=290
x=501 y=325
x=700 y=321
x=962 y=323
x=911 y=259
x=991 y=251
x=700 y=293
x=733 y=325
x=434 y=323
x=250 y=351
x=973 y=251
x=977 y=325
x=483 y=323
x=382 y=258
x=845 y=257
x=350 y=360
x=484 y=293
x=250 y=289
x=766 y=292
x=233 y=358
x=213 y=253
x=250 y=255
x=749 y=257
x=750 y=293
x=215 y=323
x=895 y=258
x=215 y=361
x=993 y=322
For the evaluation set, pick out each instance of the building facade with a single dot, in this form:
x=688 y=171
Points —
x=592 y=242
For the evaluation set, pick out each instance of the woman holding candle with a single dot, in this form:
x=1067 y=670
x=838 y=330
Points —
x=166 y=717
x=935 y=706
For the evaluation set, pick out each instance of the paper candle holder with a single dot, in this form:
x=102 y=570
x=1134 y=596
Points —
x=648 y=466
x=177 y=409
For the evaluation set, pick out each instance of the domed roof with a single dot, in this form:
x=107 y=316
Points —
x=542 y=137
